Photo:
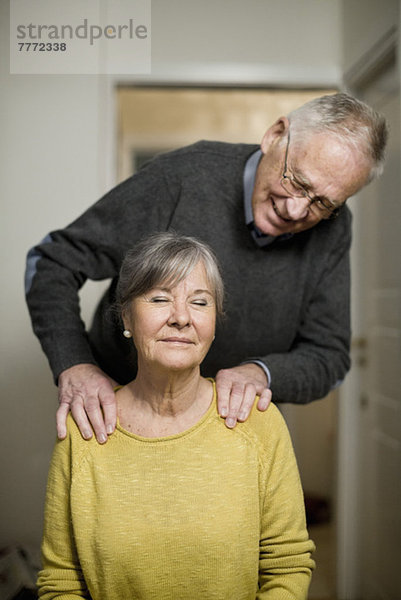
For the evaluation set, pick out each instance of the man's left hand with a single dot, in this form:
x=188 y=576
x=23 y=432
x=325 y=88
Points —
x=236 y=391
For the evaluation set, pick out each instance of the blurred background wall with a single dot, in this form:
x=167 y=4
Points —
x=58 y=153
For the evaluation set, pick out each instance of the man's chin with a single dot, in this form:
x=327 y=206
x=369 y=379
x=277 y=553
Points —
x=268 y=228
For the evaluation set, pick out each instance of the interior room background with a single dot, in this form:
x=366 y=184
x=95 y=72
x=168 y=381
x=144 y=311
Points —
x=63 y=146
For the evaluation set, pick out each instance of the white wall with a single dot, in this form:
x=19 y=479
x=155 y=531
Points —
x=370 y=28
x=57 y=157
x=50 y=172
x=364 y=25
x=290 y=42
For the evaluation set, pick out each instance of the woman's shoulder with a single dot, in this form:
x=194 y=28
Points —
x=271 y=418
x=73 y=429
x=266 y=429
x=74 y=444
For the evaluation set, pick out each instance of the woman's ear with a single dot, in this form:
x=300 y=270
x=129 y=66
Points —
x=125 y=320
x=274 y=134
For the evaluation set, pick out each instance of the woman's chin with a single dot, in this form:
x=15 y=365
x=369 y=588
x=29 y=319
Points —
x=176 y=365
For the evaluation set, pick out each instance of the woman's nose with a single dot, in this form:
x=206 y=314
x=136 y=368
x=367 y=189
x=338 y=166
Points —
x=297 y=208
x=180 y=315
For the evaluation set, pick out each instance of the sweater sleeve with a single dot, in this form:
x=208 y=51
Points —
x=285 y=562
x=319 y=357
x=92 y=247
x=61 y=576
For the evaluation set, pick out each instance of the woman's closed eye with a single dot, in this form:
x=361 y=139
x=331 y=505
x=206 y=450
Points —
x=161 y=299
x=200 y=301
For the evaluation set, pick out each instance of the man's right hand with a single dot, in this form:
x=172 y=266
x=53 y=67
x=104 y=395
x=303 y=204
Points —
x=89 y=394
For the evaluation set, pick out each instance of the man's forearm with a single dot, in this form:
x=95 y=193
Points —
x=301 y=376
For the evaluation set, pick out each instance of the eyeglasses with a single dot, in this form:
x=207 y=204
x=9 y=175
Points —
x=321 y=207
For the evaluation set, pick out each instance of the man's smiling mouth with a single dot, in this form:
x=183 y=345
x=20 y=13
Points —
x=276 y=210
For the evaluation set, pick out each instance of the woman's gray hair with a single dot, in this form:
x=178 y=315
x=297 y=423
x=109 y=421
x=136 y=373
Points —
x=166 y=258
x=351 y=120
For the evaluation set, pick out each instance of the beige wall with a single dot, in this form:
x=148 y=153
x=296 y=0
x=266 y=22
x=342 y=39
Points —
x=57 y=157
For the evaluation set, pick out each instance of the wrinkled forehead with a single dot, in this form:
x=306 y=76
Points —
x=326 y=159
x=194 y=272
x=327 y=146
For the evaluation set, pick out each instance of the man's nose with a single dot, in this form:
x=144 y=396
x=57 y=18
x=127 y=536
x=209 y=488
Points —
x=297 y=208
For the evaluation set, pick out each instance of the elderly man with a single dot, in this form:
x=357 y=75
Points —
x=275 y=216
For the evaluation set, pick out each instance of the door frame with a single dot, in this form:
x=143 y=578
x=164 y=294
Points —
x=349 y=458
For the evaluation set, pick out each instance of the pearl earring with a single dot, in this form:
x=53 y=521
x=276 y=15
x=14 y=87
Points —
x=127 y=333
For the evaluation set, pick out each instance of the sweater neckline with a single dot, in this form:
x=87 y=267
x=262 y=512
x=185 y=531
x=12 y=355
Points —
x=154 y=440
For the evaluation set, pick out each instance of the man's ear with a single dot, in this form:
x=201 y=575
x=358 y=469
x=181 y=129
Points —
x=274 y=134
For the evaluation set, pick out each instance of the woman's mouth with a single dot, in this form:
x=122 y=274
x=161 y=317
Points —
x=177 y=340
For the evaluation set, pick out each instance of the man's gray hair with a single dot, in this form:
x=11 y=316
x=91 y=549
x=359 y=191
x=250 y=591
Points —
x=351 y=120
x=166 y=258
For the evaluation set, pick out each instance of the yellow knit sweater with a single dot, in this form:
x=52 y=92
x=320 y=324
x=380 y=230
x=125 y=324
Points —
x=210 y=513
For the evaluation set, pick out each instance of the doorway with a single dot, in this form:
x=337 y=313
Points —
x=158 y=119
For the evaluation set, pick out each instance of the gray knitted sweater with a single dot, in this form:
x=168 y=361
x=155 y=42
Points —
x=287 y=303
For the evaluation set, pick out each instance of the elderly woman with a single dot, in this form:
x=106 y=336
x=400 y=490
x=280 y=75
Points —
x=176 y=506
